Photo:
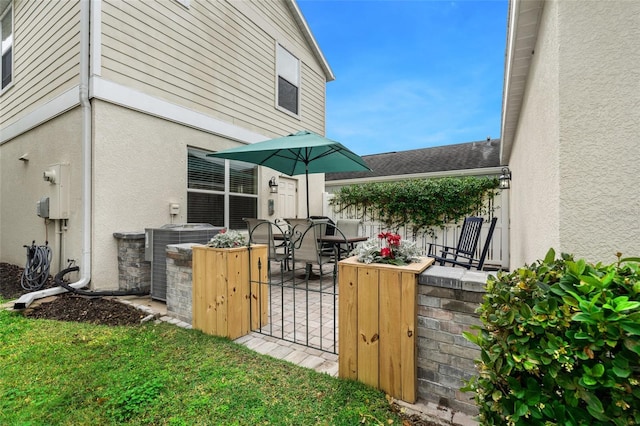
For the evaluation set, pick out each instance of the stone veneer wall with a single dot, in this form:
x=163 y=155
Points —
x=134 y=273
x=447 y=301
x=179 y=281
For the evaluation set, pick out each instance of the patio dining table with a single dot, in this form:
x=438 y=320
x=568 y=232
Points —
x=335 y=240
x=338 y=240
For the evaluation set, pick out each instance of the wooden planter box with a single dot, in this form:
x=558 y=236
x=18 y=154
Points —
x=230 y=292
x=377 y=323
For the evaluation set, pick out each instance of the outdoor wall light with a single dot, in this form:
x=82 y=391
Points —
x=273 y=185
x=505 y=178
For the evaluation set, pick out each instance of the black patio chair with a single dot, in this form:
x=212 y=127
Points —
x=463 y=254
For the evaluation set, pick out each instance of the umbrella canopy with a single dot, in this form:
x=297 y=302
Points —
x=303 y=152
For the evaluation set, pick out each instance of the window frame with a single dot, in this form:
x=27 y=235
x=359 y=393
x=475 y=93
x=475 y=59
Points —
x=226 y=193
x=184 y=3
x=280 y=70
x=8 y=11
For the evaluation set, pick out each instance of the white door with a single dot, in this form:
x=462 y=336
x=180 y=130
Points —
x=287 y=198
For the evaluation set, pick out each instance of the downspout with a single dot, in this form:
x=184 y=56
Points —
x=85 y=27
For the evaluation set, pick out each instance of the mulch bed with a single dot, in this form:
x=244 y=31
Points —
x=68 y=306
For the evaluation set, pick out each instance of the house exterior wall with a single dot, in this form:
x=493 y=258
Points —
x=600 y=118
x=577 y=136
x=212 y=58
x=144 y=115
x=21 y=185
x=534 y=162
x=138 y=170
x=46 y=56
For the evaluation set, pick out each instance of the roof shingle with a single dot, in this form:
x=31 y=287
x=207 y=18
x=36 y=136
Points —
x=463 y=156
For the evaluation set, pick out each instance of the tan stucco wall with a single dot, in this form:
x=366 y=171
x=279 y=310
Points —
x=534 y=158
x=22 y=185
x=600 y=143
x=140 y=168
x=575 y=158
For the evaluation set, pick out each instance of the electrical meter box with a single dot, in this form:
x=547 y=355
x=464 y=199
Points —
x=57 y=176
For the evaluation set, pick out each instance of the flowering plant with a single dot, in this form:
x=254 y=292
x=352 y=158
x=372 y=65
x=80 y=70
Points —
x=394 y=251
x=227 y=239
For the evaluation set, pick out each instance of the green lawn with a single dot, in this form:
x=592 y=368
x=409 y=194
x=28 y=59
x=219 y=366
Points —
x=59 y=373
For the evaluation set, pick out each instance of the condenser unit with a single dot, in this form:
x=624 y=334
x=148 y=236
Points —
x=156 y=241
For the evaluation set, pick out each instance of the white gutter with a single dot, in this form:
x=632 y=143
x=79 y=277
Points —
x=85 y=26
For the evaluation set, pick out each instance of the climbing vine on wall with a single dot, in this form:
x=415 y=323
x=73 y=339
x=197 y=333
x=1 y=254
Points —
x=421 y=203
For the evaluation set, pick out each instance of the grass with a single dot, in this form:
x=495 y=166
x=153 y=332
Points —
x=63 y=373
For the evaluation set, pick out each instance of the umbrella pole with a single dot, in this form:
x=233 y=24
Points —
x=306 y=175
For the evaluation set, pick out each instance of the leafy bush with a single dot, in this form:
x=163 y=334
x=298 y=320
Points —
x=421 y=203
x=560 y=345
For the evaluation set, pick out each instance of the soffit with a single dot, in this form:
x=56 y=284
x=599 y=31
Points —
x=522 y=34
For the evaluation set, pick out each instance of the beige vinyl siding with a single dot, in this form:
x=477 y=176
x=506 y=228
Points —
x=211 y=58
x=46 y=58
x=314 y=96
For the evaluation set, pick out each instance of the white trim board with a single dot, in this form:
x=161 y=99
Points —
x=121 y=95
x=42 y=114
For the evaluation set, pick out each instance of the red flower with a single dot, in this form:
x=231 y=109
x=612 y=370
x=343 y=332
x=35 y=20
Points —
x=393 y=239
x=385 y=252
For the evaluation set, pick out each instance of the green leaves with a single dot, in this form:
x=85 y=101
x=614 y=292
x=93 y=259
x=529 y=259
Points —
x=422 y=203
x=560 y=344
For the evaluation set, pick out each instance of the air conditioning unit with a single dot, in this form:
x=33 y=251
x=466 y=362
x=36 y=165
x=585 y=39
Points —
x=156 y=242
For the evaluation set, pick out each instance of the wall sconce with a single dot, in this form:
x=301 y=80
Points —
x=273 y=185
x=505 y=178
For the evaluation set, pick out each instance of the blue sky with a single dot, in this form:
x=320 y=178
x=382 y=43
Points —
x=411 y=73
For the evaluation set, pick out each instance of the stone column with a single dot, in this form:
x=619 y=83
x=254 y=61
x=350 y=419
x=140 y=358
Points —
x=179 y=281
x=134 y=273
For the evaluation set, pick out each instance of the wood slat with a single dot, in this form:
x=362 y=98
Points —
x=390 y=324
x=348 y=322
x=218 y=300
x=235 y=264
x=407 y=334
x=368 y=331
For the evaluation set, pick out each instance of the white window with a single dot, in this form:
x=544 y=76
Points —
x=220 y=192
x=6 y=42
x=288 y=69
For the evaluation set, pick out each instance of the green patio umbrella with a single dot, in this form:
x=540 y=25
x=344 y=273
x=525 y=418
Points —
x=299 y=153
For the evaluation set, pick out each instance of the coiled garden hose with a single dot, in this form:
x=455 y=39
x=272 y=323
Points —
x=36 y=271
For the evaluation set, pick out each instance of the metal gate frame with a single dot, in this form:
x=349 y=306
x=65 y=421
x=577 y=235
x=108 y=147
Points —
x=302 y=311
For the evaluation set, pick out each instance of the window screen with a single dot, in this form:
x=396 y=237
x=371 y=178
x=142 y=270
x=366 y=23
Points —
x=287 y=95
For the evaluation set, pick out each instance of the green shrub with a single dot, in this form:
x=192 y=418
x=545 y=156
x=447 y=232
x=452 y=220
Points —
x=560 y=345
x=420 y=203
